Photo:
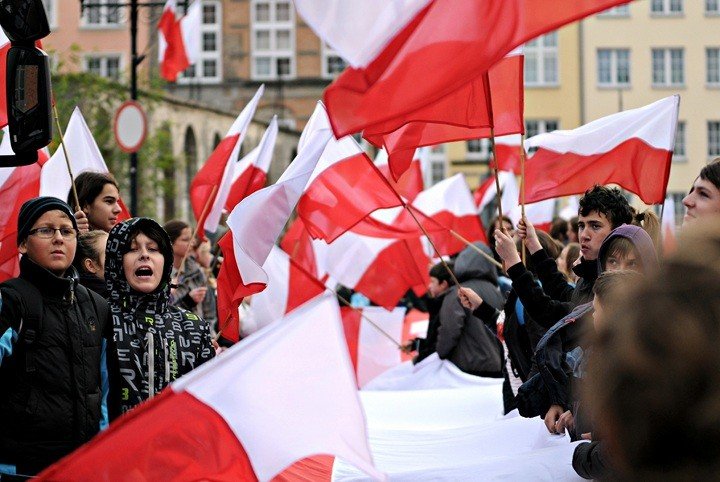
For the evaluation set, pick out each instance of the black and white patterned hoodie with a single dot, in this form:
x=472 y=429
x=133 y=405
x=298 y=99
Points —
x=155 y=343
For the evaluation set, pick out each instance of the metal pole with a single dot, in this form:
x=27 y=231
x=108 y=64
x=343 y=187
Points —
x=133 y=96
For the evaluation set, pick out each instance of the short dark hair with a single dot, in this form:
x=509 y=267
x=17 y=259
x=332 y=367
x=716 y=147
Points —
x=558 y=229
x=711 y=172
x=610 y=284
x=89 y=185
x=607 y=201
x=87 y=248
x=440 y=272
x=174 y=228
x=154 y=232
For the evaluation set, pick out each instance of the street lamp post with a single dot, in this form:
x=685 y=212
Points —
x=135 y=60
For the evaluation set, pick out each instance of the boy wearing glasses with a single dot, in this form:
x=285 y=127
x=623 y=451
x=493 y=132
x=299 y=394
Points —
x=53 y=332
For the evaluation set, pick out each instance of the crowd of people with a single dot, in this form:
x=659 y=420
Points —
x=595 y=331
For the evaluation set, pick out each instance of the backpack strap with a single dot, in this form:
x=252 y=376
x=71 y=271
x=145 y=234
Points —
x=87 y=303
x=31 y=322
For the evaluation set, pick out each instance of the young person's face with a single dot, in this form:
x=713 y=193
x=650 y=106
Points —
x=562 y=260
x=56 y=252
x=143 y=264
x=617 y=262
x=436 y=287
x=703 y=200
x=103 y=212
x=572 y=235
x=592 y=231
x=182 y=243
x=204 y=256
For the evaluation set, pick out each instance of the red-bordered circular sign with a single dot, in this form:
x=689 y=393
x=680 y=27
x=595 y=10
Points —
x=130 y=126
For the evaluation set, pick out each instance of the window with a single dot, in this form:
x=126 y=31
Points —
x=208 y=68
x=51 y=12
x=541 y=60
x=107 y=66
x=668 y=67
x=332 y=63
x=613 y=67
x=712 y=63
x=534 y=127
x=621 y=11
x=666 y=7
x=478 y=150
x=713 y=138
x=102 y=14
x=712 y=7
x=273 y=39
x=438 y=165
x=679 y=154
x=678 y=207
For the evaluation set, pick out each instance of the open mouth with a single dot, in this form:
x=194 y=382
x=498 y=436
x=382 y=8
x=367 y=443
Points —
x=144 y=272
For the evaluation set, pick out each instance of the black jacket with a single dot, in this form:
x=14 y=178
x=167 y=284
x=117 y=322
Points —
x=426 y=346
x=590 y=461
x=52 y=382
x=463 y=338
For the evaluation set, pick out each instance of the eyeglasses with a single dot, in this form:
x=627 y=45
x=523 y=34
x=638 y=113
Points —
x=48 y=233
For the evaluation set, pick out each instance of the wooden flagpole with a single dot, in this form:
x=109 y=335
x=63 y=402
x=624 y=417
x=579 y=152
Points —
x=522 y=191
x=208 y=203
x=67 y=159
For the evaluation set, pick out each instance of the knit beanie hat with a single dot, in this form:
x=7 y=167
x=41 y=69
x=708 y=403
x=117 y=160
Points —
x=32 y=209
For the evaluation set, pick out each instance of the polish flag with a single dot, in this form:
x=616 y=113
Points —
x=396 y=46
x=289 y=286
x=234 y=425
x=257 y=222
x=540 y=214
x=179 y=41
x=250 y=173
x=571 y=208
x=85 y=156
x=446 y=206
x=299 y=245
x=669 y=229
x=381 y=269
x=411 y=181
x=371 y=352
x=632 y=149
x=507 y=149
x=509 y=193
x=495 y=99
x=344 y=188
x=17 y=185
x=211 y=185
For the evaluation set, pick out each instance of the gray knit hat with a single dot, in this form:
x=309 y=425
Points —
x=32 y=209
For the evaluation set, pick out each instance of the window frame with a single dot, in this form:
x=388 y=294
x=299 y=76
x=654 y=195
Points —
x=539 y=52
x=712 y=155
x=708 y=70
x=326 y=53
x=614 y=64
x=197 y=70
x=666 y=12
x=710 y=12
x=437 y=157
x=273 y=53
x=103 y=58
x=667 y=67
x=51 y=13
x=680 y=138
x=103 y=24
x=620 y=11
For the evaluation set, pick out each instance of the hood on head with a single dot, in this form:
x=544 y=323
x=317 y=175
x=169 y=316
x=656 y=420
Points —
x=472 y=265
x=640 y=239
x=118 y=244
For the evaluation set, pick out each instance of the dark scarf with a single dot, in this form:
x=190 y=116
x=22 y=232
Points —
x=180 y=339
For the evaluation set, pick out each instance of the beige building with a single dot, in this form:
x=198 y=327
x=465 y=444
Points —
x=650 y=49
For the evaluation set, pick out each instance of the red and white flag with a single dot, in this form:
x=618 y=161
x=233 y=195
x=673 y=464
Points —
x=669 y=229
x=398 y=46
x=303 y=250
x=447 y=206
x=211 y=185
x=540 y=214
x=493 y=100
x=371 y=352
x=344 y=188
x=289 y=286
x=411 y=182
x=17 y=185
x=508 y=151
x=236 y=421
x=257 y=222
x=179 y=40
x=85 y=156
x=632 y=149
x=381 y=269
x=250 y=172
x=486 y=193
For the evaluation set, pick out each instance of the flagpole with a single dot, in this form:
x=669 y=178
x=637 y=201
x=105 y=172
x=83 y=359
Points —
x=498 y=197
x=181 y=268
x=522 y=190
x=459 y=237
x=67 y=159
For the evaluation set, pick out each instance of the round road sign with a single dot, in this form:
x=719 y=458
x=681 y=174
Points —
x=130 y=126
